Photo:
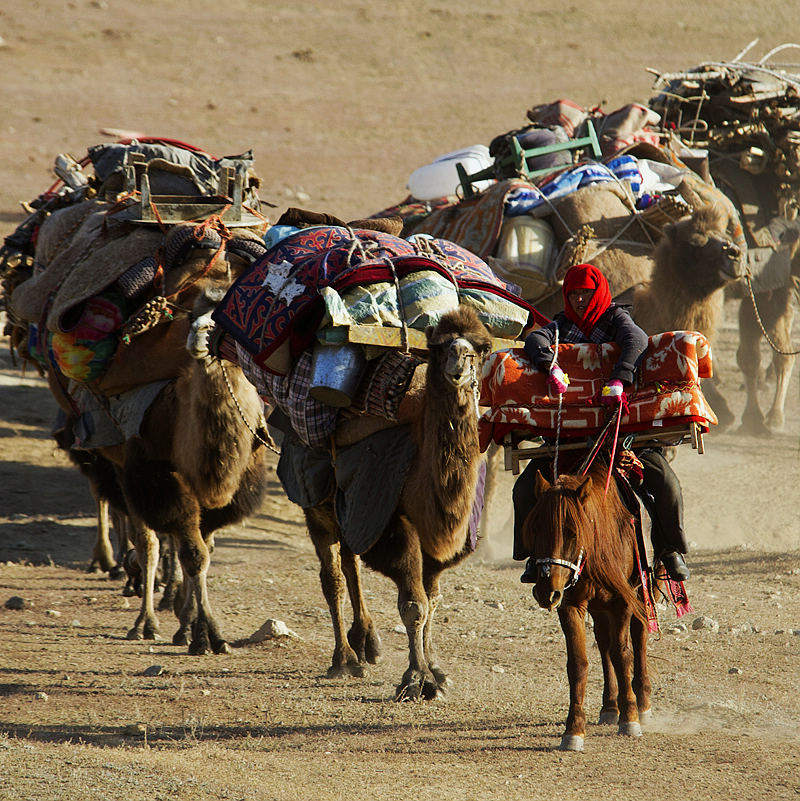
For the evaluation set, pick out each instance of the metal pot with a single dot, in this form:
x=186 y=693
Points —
x=336 y=371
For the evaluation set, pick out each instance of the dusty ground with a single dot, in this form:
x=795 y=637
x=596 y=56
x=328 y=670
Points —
x=341 y=101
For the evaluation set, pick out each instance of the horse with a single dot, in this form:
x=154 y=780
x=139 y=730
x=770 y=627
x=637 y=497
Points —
x=583 y=539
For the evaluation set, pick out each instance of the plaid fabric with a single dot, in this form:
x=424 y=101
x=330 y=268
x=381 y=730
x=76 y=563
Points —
x=312 y=421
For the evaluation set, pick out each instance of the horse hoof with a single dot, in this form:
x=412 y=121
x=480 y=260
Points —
x=571 y=742
x=645 y=715
x=631 y=729
x=608 y=718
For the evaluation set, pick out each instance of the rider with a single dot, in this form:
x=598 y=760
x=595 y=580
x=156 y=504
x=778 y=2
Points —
x=590 y=316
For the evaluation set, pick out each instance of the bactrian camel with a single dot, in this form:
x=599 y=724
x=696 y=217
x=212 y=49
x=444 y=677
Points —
x=429 y=529
x=198 y=463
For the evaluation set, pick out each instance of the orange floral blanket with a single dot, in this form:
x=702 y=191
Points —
x=667 y=390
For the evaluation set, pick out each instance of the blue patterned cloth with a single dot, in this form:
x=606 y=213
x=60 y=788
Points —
x=525 y=199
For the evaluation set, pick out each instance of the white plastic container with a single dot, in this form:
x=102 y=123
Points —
x=525 y=255
x=440 y=178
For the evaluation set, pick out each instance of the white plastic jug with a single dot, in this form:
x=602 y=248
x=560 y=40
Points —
x=440 y=178
x=525 y=255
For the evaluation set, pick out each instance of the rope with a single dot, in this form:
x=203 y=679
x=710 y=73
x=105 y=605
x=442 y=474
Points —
x=560 y=409
x=774 y=347
x=238 y=406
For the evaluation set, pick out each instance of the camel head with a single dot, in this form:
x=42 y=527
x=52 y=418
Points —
x=458 y=346
x=701 y=251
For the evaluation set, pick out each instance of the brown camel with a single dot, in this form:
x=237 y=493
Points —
x=428 y=531
x=197 y=463
x=694 y=261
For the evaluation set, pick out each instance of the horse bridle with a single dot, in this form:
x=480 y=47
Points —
x=576 y=567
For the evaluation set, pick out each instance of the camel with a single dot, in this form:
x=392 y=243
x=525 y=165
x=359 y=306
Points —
x=197 y=463
x=428 y=531
x=775 y=308
x=693 y=263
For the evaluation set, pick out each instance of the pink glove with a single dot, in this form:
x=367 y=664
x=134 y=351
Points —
x=557 y=380
x=612 y=394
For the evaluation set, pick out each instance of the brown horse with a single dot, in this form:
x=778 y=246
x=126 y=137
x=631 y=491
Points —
x=584 y=544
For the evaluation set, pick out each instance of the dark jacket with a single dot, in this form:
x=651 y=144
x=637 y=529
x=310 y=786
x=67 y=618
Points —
x=615 y=325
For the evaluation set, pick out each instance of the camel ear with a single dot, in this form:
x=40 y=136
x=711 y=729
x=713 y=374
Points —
x=670 y=231
x=541 y=485
x=584 y=489
x=429 y=333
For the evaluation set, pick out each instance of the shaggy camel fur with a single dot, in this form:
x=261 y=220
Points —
x=694 y=262
x=197 y=463
x=429 y=530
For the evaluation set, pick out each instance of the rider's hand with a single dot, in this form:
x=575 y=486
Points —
x=613 y=393
x=557 y=380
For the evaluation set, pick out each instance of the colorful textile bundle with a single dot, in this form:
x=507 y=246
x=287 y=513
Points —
x=275 y=309
x=667 y=389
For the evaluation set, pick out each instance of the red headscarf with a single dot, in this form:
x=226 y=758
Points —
x=586 y=276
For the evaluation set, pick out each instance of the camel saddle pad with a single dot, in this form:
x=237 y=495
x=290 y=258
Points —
x=667 y=389
x=474 y=222
x=277 y=301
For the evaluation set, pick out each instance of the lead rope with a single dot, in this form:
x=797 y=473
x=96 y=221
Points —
x=560 y=409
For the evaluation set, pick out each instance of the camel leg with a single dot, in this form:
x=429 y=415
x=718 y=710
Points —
x=609 y=713
x=494 y=457
x=195 y=558
x=622 y=659
x=325 y=536
x=783 y=365
x=641 y=676
x=172 y=576
x=572 y=624
x=406 y=570
x=431 y=581
x=748 y=357
x=102 y=554
x=363 y=637
x=147 y=547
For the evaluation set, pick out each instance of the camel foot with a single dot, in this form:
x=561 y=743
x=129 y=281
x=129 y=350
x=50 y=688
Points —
x=366 y=644
x=146 y=632
x=775 y=422
x=645 y=715
x=754 y=426
x=416 y=686
x=116 y=572
x=347 y=669
x=630 y=729
x=608 y=717
x=180 y=637
x=571 y=742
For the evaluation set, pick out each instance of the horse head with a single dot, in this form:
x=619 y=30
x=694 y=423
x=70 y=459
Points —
x=555 y=532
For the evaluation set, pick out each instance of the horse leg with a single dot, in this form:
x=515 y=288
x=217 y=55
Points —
x=324 y=534
x=572 y=624
x=146 y=543
x=609 y=713
x=622 y=659
x=363 y=637
x=641 y=677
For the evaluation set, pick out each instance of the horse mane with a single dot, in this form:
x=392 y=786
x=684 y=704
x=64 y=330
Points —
x=601 y=525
